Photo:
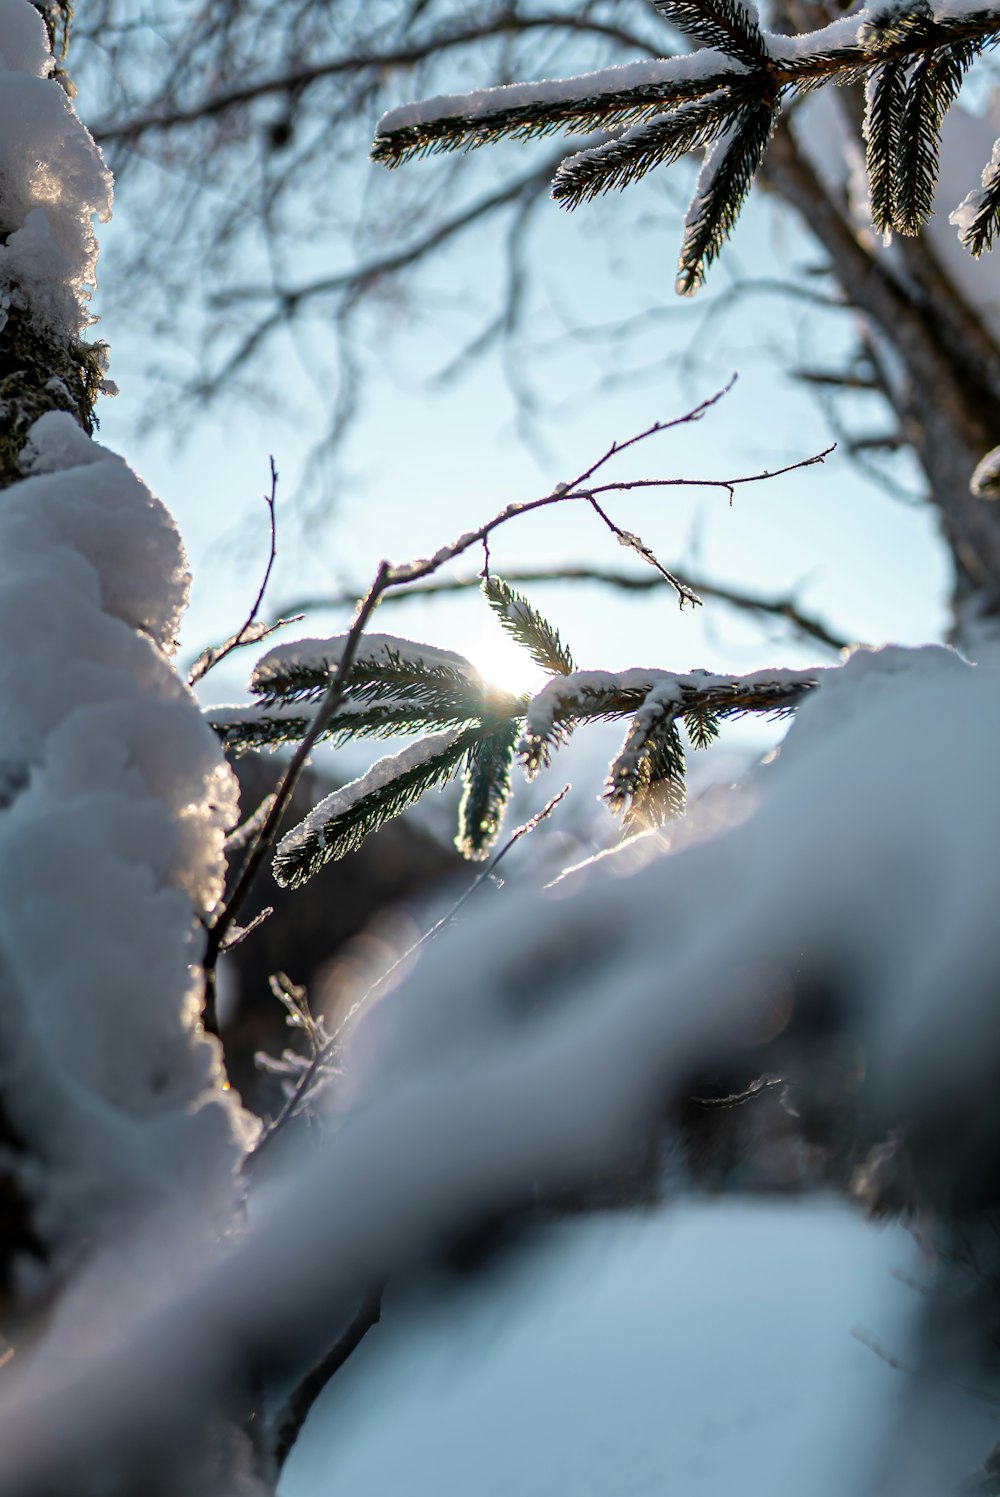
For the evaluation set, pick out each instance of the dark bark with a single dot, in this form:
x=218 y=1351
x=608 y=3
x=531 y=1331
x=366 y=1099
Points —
x=946 y=395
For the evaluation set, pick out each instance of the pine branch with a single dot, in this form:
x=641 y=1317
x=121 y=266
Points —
x=579 y=703
x=460 y=126
x=978 y=217
x=899 y=29
x=722 y=187
x=646 y=780
x=595 y=696
x=660 y=793
x=486 y=790
x=725 y=24
x=341 y=823
x=912 y=60
x=390 y=689
x=883 y=111
x=526 y=625
x=242 y=730
x=932 y=89
x=702 y=726
x=391 y=669
x=811 y=70
x=661 y=142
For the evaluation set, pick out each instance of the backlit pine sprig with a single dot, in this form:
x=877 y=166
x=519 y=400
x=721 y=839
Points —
x=526 y=625
x=486 y=790
x=646 y=780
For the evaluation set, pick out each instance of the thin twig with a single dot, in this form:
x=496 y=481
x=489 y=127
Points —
x=295 y=80
x=757 y=1088
x=247 y=634
x=262 y=841
x=982 y=1394
x=567 y=493
x=322 y=1057
x=635 y=543
x=729 y=484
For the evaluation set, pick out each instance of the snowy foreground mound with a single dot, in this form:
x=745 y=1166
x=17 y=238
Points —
x=703 y=1351
x=536 y=1038
x=542 y=1032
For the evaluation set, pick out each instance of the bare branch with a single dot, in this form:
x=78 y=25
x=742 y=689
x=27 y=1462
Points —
x=577 y=490
x=294 y=81
x=249 y=632
x=782 y=608
x=289 y=299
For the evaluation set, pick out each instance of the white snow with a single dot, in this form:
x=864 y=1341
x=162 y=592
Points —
x=24 y=46
x=80 y=496
x=985 y=481
x=115 y=796
x=375 y=649
x=651 y=73
x=965 y=214
x=541 y=1031
x=381 y=774
x=54 y=183
x=706 y=1349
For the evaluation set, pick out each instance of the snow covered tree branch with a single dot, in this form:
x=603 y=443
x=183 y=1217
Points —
x=727 y=96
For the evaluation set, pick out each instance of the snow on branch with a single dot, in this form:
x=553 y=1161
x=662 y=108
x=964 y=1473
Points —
x=343 y=821
x=602 y=695
x=374 y=685
x=726 y=97
x=612 y=96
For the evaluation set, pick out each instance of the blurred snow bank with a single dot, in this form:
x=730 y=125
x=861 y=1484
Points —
x=701 y=1351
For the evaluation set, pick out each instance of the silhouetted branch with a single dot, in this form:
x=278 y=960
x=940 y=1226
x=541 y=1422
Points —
x=250 y=631
x=296 y=1411
x=639 y=582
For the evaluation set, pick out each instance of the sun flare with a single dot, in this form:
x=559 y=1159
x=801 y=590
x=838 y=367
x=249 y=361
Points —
x=503 y=663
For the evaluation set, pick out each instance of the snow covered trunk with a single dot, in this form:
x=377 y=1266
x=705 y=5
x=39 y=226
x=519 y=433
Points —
x=114 y=797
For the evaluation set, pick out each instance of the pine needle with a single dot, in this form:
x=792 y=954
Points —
x=527 y=626
x=725 y=24
x=661 y=142
x=534 y=119
x=721 y=190
x=883 y=112
x=486 y=791
x=933 y=87
x=320 y=840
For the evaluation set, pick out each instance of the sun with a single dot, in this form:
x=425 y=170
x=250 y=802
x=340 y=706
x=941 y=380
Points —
x=503 y=663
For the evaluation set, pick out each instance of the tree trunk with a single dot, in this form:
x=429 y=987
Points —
x=945 y=386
